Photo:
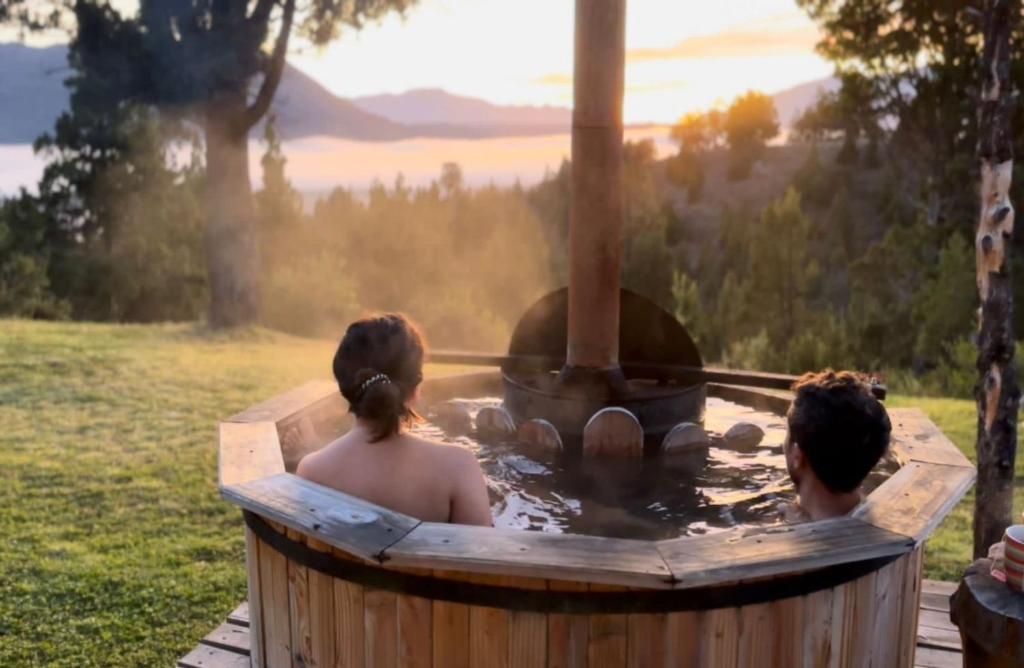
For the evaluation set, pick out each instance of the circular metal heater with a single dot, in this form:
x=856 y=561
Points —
x=648 y=337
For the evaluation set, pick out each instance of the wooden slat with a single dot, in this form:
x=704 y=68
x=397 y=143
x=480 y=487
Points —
x=936 y=619
x=528 y=632
x=916 y=498
x=940 y=638
x=285 y=405
x=787 y=617
x=608 y=636
x=298 y=609
x=772 y=401
x=450 y=634
x=531 y=554
x=415 y=632
x=719 y=631
x=823 y=618
x=858 y=622
x=745 y=554
x=936 y=629
x=647 y=639
x=248 y=452
x=205 y=656
x=885 y=647
x=340 y=520
x=910 y=593
x=230 y=637
x=488 y=629
x=932 y=601
x=916 y=438
x=349 y=622
x=349 y=637
x=939 y=587
x=240 y=615
x=321 y=612
x=568 y=635
x=253 y=571
x=274 y=607
x=756 y=638
x=928 y=657
x=380 y=626
x=682 y=641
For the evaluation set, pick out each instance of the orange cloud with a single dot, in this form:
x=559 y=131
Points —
x=780 y=36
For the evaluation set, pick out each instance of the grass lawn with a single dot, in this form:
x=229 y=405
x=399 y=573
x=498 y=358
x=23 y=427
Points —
x=116 y=549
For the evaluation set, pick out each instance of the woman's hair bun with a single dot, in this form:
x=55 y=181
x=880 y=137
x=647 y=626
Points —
x=378 y=366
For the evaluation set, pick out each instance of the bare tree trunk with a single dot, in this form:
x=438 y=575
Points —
x=231 y=240
x=997 y=393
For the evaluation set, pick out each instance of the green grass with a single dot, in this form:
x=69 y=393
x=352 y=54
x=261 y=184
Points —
x=948 y=551
x=116 y=549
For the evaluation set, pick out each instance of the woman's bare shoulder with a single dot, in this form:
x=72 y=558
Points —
x=449 y=452
x=313 y=461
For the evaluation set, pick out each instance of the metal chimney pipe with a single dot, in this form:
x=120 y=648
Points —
x=596 y=211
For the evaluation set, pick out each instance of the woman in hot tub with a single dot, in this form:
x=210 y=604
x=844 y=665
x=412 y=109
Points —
x=379 y=366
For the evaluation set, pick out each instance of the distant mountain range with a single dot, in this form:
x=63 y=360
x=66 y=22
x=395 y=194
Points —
x=32 y=96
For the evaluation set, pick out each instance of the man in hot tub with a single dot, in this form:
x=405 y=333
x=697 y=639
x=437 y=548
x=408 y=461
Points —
x=838 y=431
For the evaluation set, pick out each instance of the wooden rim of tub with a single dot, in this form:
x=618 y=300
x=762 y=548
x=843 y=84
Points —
x=576 y=603
x=895 y=518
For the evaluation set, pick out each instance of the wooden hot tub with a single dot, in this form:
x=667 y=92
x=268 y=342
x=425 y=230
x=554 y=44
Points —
x=336 y=581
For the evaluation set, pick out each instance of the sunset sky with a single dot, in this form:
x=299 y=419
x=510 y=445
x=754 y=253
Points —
x=682 y=54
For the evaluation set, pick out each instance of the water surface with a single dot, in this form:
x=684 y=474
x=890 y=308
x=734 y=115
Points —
x=656 y=498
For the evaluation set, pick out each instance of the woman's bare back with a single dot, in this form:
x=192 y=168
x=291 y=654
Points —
x=430 y=481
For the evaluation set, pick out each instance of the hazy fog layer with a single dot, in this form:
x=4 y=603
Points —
x=317 y=164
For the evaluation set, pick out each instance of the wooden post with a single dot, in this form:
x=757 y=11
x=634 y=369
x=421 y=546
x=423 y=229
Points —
x=997 y=393
x=595 y=220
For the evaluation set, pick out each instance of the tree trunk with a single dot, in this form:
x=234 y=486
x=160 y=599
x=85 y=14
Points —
x=997 y=393
x=231 y=239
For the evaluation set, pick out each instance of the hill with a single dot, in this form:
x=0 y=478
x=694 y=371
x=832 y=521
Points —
x=32 y=96
x=433 y=107
x=305 y=108
x=32 y=93
x=792 y=102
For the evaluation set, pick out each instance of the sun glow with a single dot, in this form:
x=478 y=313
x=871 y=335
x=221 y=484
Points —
x=682 y=56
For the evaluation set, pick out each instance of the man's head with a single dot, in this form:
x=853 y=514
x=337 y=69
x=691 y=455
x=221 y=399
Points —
x=837 y=430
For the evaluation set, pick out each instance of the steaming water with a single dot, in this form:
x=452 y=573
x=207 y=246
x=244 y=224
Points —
x=659 y=498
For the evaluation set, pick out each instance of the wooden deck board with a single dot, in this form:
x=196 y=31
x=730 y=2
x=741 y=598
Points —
x=938 y=641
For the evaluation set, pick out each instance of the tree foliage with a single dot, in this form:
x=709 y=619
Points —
x=916 y=63
x=215 y=63
x=750 y=122
x=745 y=128
x=848 y=114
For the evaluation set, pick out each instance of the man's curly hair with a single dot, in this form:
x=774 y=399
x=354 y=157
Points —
x=842 y=429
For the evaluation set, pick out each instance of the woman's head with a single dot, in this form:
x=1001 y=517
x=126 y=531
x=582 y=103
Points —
x=378 y=366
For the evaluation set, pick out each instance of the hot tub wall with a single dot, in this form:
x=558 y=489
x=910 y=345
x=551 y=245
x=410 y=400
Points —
x=301 y=617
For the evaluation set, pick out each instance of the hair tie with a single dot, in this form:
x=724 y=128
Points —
x=370 y=382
